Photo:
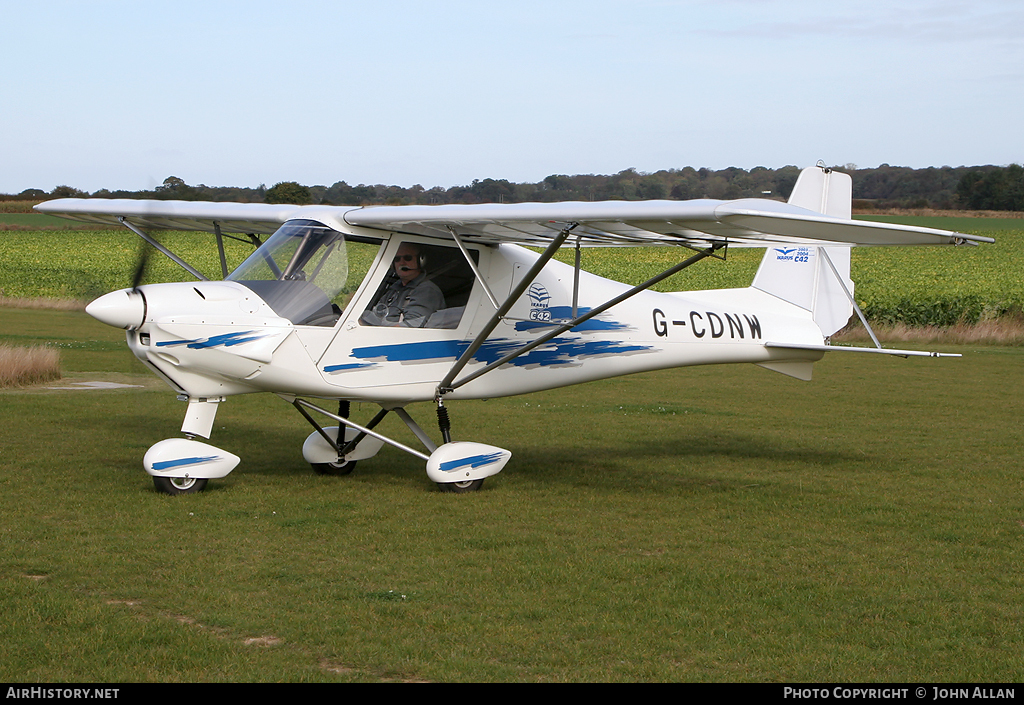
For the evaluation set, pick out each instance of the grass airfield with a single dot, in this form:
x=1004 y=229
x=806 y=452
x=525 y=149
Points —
x=707 y=524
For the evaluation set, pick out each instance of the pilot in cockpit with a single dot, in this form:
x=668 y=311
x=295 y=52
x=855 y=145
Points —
x=411 y=298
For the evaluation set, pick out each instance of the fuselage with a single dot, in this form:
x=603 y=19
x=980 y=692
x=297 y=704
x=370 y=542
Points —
x=215 y=339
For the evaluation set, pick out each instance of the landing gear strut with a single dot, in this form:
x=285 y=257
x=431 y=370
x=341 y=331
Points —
x=454 y=466
x=444 y=424
x=340 y=466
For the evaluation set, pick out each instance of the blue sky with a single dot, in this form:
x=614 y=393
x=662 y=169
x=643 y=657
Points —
x=124 y=94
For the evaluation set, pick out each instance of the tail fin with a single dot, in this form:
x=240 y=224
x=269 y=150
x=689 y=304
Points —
x=799 y=274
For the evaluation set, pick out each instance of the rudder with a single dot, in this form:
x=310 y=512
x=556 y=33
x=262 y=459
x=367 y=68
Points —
x=800 y=274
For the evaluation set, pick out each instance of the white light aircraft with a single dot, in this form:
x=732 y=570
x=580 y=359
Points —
x=455 y=306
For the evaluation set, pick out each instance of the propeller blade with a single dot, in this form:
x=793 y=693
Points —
x=142 y=261
x=140 y=266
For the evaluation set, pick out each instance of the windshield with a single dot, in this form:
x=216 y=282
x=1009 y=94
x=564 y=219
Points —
x=299 y=272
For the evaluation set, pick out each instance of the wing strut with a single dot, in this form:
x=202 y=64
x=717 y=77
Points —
x=476 y=270
x=860 y=314
x=173 y=257
x=576 y=280
x=220 y=250
x=447 y=385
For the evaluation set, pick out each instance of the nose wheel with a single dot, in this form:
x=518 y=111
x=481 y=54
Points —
x=179 y=485
x=184 y=466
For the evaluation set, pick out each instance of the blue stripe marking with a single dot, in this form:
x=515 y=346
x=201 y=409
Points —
x=349 y=366
x=559 y=351
x=168 y=464
x=412 y=352
x=473 y=461
x=227 y=340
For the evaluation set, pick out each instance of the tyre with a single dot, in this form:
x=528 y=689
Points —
x=179 y=485
x=460 y=487
x=334 y=468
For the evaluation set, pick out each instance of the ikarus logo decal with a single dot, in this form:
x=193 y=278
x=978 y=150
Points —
x=539 y=300
x=793 y=254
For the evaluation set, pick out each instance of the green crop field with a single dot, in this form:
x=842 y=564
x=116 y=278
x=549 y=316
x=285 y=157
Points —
x=939 y=286
x=920 y=286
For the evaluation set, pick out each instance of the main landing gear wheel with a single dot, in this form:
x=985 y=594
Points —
x=334 y=468
x=460 y=487
x=179 y=485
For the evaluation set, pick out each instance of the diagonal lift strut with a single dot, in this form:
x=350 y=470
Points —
x=449 y=383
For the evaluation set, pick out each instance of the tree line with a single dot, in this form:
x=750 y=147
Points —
x=945 y=188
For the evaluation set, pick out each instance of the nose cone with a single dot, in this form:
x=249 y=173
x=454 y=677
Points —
x=122 y=309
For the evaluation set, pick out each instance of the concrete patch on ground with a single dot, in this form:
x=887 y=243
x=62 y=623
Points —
x=99 y=385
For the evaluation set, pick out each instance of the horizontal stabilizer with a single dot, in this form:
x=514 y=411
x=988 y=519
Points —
x=843 y=348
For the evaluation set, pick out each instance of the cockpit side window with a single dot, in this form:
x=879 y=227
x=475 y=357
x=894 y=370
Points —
x=426 y=286
x=299 y=272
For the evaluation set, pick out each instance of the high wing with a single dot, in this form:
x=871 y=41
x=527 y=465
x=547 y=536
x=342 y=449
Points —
x=698 y=223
